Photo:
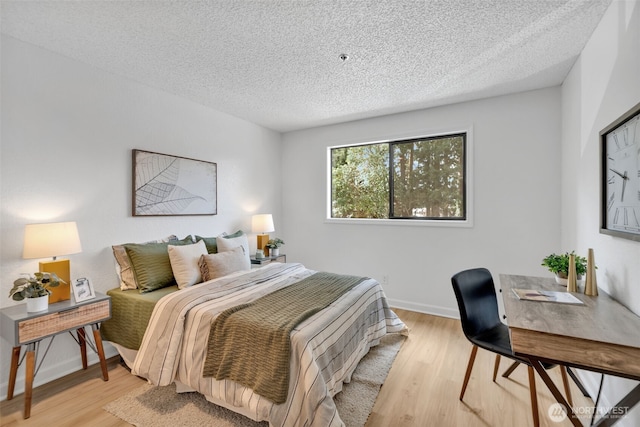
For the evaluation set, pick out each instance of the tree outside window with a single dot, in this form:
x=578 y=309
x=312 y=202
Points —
x=422 y=178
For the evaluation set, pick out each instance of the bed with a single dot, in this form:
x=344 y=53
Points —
x=164 y=337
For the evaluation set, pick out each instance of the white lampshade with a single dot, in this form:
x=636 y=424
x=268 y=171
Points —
x=262 y=223
x=51 y=240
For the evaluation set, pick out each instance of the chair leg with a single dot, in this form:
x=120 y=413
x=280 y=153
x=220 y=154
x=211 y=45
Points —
x=512 y=368
x=467 y=375
x=565 y=381
x=534 y=397
x=495 y=367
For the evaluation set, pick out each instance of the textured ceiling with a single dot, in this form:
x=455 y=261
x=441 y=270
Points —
x=277 y=63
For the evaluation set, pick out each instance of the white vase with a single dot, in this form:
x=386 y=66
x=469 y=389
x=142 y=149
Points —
x=274 y=251
x=37 y=304
x=563 y=280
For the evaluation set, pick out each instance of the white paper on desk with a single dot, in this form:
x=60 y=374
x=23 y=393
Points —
x=546 y=296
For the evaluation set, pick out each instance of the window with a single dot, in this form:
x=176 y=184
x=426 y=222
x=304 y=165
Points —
x=420 y=178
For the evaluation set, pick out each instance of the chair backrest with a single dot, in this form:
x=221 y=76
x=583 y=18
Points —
x=477 y=300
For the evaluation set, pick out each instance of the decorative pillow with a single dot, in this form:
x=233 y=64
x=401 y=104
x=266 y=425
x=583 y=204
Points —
x=232 y=241
x=217 y=265
x=231 y=236
x=210 y=243
x=151 y=264
x=123 y=264
x=184 y=263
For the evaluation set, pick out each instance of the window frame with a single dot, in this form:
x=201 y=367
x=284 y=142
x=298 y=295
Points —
x=467 y=222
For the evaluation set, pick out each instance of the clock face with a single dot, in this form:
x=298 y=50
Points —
x=621 y=172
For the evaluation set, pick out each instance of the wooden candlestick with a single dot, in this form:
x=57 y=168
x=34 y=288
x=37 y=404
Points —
x=572 y=282
x=591 y=283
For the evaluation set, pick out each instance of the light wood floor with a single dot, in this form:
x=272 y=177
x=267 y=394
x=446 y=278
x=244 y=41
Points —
x=421 y=390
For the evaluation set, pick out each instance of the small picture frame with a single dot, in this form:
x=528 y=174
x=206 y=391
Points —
x=82 y=289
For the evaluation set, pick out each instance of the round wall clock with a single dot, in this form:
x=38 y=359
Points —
x=620 y=148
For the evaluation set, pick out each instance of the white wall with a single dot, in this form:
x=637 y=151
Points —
x=67 y=134
x=603 y=84
x=516 y=147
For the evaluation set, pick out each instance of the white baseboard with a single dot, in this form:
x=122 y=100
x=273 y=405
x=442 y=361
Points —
x=424 y=308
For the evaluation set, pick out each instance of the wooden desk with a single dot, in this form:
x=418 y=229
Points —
x=602 y=336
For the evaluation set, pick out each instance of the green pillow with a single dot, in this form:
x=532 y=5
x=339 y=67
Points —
x=151 y=264
x=234 y=235
x=210 y=243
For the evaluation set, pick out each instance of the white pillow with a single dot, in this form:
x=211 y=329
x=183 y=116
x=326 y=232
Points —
x=184 y=263
x=228 y=244
x=217 y=265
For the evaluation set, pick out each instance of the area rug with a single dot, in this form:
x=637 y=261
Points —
x=149 y=406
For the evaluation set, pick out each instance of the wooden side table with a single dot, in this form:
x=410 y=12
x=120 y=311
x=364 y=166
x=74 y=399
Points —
x=28 y=329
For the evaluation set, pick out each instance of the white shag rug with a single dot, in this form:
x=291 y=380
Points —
x=149 y=406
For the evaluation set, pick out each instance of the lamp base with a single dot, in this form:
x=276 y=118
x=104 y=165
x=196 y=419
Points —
x=62 y=269
x=263 y=239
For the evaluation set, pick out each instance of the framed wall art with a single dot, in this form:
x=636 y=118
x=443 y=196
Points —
x=172 y=185
x=620 y=176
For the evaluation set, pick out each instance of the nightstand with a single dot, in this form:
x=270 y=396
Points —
x=267 y=260
x=21 y=328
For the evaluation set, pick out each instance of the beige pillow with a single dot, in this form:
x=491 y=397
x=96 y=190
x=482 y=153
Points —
x=184 y=263
x=217 y=265
x=123 y=268
x=227 y=243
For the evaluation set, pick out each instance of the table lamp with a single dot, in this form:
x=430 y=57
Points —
x=262 y=224
x=53 y=240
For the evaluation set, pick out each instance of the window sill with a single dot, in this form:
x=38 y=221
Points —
x=402 y=222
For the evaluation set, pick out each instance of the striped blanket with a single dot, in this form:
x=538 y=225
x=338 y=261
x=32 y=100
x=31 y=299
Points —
x=325 y=348
x=251 y=343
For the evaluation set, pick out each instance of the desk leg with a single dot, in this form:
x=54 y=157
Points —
x=577 y=382
x=628 y=402
x=556 y=393
x=28 y=379
x=82 y=340
x=103 y=362
x=15 y=358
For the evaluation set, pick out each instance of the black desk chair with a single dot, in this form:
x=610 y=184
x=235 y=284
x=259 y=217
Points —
x=476 y=296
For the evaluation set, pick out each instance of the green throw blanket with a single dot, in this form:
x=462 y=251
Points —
x=250 y=343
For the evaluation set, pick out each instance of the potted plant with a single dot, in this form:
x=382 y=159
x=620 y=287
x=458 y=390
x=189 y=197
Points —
x=35 y=289
x=274 y=246
x=559 y=265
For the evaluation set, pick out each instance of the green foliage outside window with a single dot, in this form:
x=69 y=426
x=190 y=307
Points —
x=360 y=181
x=425 y=179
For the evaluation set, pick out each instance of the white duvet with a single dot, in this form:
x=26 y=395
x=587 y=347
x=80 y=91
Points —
x=326 y=348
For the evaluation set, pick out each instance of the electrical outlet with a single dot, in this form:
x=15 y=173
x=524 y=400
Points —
x=385 y=280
